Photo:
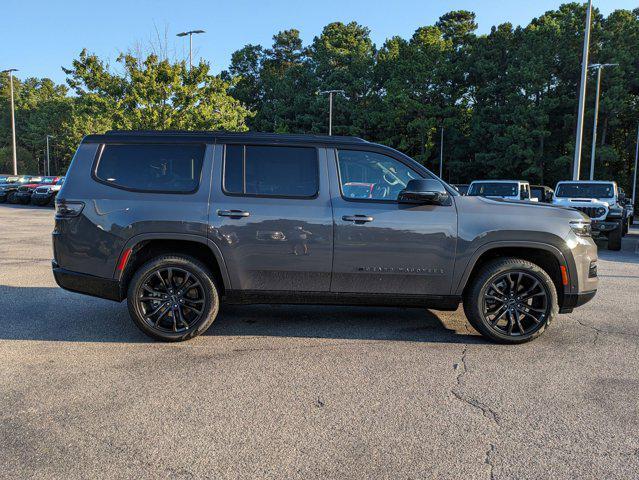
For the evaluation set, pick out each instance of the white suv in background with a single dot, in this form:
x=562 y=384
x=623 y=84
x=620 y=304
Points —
x=600 y=201
x=507 y=189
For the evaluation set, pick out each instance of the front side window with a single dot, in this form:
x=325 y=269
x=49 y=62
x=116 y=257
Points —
x=271 y=171
x=152 y=168
x=372 y=176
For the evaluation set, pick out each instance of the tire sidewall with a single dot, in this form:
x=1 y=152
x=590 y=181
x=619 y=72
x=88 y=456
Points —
x=473 y=303
x=195 y=268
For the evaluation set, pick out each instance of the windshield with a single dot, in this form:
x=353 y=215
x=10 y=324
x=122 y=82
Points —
x=585 y=190
x=493 y=189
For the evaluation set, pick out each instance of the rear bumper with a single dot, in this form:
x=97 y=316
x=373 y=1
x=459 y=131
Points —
x=87 y=284
x=574 y=300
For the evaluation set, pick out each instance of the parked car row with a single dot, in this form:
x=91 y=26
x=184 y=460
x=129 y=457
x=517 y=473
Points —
x=610 y=211
x=25 y=189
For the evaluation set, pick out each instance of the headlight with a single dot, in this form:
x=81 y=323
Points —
x=581 y=228
x=600 y=211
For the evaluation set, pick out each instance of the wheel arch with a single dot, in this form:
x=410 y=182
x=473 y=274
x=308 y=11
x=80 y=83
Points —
x=547 y=256
x=146 y=246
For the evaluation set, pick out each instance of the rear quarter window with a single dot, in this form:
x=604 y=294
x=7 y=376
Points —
x=151 y=168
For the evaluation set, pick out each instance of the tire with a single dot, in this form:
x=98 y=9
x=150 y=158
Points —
x=182 y=313
x=11 y=198
x=614 y=238
x=540 y=308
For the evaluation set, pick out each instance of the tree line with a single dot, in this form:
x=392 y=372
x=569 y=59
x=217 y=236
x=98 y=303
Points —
x=506 y=100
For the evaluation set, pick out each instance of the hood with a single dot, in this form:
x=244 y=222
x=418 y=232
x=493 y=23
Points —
x=584 y=202
x=526 y=207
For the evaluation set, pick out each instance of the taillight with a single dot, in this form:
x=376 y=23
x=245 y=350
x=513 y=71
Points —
x=64 y=209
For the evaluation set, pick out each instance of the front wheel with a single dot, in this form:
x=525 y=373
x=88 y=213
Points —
x=511 y=300
x=614 y=238
x=173 y=298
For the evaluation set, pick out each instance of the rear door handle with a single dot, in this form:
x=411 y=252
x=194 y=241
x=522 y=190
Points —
x=233 y=213
x=357 y=218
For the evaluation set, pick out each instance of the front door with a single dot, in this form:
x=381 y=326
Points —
x=382 y=246
x=270 y=215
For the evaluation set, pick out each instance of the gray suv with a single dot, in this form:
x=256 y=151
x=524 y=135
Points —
x=179 y=222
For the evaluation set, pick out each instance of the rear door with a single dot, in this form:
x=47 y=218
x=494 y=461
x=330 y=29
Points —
x=382 y=246
x=270 y=216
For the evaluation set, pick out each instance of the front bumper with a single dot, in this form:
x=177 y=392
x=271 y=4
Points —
x=41 y=198
x=603 y=226
x=574 y=300
x=87 y=284
x=22 y=197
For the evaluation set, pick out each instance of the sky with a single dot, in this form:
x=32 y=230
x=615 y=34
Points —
x=39 y=37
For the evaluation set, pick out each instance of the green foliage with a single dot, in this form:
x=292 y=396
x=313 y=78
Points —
x=507 y=100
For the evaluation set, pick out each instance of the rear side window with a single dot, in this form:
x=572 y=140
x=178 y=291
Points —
x=152 y=168
x=271 y=171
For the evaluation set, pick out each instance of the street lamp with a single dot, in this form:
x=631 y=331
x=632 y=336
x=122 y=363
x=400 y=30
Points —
x=13 y=119
x=634 y=175
x=582 y=95
x=48 y=163
x=330 y=106
x=190 y=33
x=599 y=67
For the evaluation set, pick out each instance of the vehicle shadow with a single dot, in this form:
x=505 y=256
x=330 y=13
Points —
x=52 y=314
x=629 y=252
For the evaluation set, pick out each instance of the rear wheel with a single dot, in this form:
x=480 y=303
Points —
x=173 y=298
x=614 y=238
x=511 y=301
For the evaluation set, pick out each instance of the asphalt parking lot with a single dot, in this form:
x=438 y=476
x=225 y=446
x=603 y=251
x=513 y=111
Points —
x=309 y=392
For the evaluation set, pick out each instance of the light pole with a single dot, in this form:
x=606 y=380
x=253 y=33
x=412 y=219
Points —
x=441 y=153
x=330 y=106
x=599 y=67
x=190 y=33
x=48 y=162
x=13 y=120
x=634 y=177
x=582 y=96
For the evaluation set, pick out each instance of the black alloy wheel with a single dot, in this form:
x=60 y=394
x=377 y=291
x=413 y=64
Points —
x=511 y=300
x=516 y=303
x=173 y=298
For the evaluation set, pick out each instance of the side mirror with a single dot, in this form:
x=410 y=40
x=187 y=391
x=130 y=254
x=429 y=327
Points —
x=424 y=191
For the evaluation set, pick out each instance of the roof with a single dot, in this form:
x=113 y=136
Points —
x=586 y=181
x=499 y=181
x=226 y=136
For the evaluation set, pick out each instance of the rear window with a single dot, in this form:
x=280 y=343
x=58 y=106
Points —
x=152 y=168
x=490 y=189
x=271 y=171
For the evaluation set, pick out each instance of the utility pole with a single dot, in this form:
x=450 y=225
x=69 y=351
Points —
x=48 y=162
x=599 y=67
x=330 y=106
x=582 y=95
x=441 y=153
x=13 y=120
x=634 y=176
x=190 y=33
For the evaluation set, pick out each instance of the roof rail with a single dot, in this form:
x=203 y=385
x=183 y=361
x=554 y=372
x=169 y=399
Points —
x=253 y=135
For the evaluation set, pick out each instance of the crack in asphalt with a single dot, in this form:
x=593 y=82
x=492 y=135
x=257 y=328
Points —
x=601 y=330
x=486 y=411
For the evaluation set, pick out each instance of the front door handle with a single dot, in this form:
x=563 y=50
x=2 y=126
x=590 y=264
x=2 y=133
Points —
x=357 y=218
x=233 y=213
